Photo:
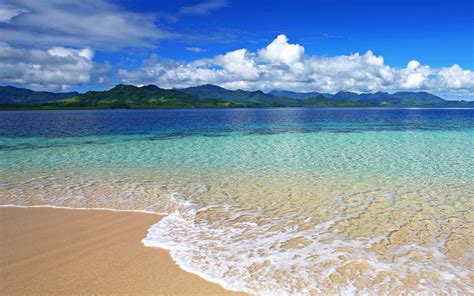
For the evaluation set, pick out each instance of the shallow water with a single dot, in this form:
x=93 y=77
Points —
x=269 y=201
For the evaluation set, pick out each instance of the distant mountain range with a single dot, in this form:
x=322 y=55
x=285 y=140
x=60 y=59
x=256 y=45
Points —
x=383 y=98
x=259 y=98
x=150 y=96
x=11 y=94
x=297 y=95
x=210 y=96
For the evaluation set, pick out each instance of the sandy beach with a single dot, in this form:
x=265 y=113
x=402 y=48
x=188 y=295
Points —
x=61 y=251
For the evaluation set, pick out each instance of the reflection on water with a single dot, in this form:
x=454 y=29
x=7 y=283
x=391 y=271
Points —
x=288 y=201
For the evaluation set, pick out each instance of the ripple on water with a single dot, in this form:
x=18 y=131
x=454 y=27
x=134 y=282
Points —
x=269 y=236
x=287 y=201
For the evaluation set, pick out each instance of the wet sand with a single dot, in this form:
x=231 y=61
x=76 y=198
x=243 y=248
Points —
x=61 y=251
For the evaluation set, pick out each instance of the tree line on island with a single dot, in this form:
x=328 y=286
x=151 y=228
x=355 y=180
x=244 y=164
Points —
x=210 y=96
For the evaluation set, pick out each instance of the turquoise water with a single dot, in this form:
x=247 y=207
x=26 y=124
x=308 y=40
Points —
x=269 y=201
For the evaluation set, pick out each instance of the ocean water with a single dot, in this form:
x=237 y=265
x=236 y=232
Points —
x=269 y=201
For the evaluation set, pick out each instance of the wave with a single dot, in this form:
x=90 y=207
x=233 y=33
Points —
x=282 y=238
x=241 y=252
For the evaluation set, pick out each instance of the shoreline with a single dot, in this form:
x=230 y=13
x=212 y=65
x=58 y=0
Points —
x=247 y=107
x=55 y=250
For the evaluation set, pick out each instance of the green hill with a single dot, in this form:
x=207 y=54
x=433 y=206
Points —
x=322 y=101
x=386 y=99
x=249 y=98
x=151 y=96
x=296 y=95
x=129 y=96
x=210 y=96
x=14 y=95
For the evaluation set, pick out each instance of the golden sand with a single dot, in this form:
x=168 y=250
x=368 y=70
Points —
x=60 y=251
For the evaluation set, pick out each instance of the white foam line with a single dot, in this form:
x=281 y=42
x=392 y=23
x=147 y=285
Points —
x=84 y=209
x=189 y=269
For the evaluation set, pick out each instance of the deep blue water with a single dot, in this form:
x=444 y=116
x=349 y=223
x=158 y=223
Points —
x=188 y=121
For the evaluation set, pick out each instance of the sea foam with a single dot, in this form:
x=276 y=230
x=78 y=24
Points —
x=254 y=258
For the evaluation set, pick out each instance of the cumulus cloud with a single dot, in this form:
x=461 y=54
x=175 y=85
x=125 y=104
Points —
x=203 y=8
x=280 y=51
x=86 y=23
x=57 y=68
x=282 y=65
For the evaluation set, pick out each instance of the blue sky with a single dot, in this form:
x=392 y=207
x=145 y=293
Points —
x=437 y=33
x=327 y=45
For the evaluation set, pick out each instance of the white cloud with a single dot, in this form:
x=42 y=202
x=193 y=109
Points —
x=86 y=23
x=203 y=8
x=412 y=65
x=280 y=51
x=414 y=76
x=57 y=68
x=284 y=65
x=455 y=77
x=238 y=64
x=7 y=13
x=67 y=52
x=196 y=49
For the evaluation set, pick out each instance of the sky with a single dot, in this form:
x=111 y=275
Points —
x=320 y=45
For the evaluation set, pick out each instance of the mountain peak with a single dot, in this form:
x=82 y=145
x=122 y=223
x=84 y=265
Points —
x=210 y=86
x=13 y=94
x=123 y=87
x=150 y=87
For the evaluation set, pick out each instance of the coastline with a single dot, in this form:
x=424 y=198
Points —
x=48 y=250
x=244 y=107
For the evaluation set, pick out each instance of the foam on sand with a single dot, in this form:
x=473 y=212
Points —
x=244 y=254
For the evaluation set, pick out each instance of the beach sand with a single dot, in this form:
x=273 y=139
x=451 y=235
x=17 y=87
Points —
x=61 y=251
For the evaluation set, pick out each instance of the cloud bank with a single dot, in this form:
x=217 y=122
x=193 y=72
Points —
x=57 y=68
x=282 y=65
x=86 y=23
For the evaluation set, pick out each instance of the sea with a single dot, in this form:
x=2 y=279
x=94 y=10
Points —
x=269 y=201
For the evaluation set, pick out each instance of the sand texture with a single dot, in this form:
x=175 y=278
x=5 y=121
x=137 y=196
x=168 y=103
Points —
x=59 y=251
